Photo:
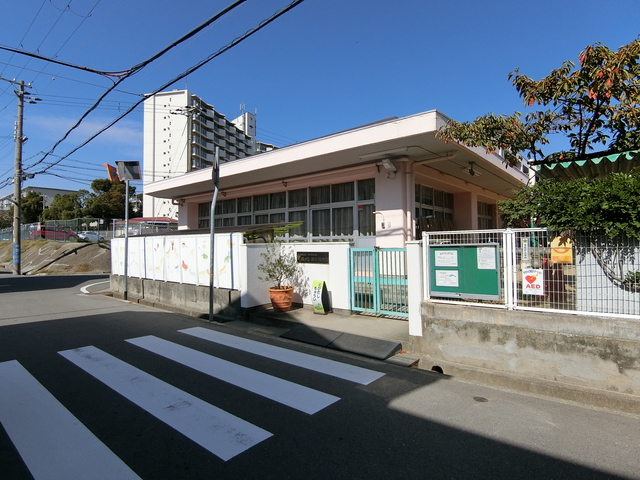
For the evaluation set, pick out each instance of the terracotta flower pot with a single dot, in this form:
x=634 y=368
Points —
x=281 y=298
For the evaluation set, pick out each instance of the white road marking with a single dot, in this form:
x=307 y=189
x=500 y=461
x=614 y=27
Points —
x=86 y=288
x=51 y=441
x=341 y=370
x=296 y=396
x=221 y=433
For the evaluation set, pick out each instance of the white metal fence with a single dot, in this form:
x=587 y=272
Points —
x=533 y=269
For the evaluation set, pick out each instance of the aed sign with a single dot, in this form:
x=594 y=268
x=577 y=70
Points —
x=533 y=281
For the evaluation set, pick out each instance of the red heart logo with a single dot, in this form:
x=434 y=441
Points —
x=531 y=278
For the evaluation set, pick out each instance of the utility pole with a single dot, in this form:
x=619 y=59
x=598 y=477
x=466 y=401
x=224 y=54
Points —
x=17 y=182
x=18 y=174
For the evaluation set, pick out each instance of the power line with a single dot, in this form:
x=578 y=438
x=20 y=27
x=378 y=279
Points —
x=129 y=73
x=189 y=71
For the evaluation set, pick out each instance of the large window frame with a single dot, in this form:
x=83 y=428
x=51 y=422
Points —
x=333 y=212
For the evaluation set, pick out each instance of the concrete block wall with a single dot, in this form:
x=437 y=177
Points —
x=570 y=350
x=184 y=298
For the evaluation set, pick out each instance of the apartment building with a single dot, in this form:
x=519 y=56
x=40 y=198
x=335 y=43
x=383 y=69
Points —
x=181 y=132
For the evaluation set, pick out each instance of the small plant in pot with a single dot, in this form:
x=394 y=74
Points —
x=280 y=269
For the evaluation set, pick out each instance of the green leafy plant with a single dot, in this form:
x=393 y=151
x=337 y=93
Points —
x=279 y=266
x=632 y=279
x=610 y=205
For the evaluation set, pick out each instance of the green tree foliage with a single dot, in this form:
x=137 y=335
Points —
x=6 y=218
x=107 y=200
x=67 y=206
x=31 y=207
x=608 y=205
x=595 y=104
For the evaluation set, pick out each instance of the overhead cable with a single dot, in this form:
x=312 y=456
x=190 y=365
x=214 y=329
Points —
x=189 y=71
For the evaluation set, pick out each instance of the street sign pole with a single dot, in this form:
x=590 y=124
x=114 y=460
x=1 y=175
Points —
x=215 y=177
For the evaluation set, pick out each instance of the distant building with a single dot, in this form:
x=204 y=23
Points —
x=181 y=132
x=6 y=202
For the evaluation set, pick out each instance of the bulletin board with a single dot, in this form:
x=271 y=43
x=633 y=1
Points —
x=465 y=271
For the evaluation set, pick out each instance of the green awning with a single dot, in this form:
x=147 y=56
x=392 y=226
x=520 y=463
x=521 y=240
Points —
x=621 y=162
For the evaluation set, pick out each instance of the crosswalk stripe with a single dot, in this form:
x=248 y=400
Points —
x=216 y=430
x=51 y=441
x=288 y=393
x=341 y=370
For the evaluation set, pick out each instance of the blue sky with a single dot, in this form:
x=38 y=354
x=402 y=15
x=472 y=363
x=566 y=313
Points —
x=326 y=66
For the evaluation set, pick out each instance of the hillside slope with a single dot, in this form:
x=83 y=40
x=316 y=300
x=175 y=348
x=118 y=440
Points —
x=43 y=256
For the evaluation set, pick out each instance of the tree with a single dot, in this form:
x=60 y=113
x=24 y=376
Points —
x=609 y=205
x=31 y=207
x=108 y=199
x=596 y=104
x=6 y=218
x=67 y=206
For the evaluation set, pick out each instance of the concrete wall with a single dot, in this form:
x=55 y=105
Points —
x=335 y=274
x=188 y=299
x=581 y=351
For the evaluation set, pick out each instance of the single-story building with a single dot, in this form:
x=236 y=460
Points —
x=375 y=185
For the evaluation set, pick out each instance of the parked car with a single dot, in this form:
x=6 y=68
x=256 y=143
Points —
x=88 y=236
x=51 y=232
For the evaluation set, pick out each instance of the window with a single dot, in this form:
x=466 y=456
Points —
x=277 y=200
x=298 y=198
x=366 y=220
x=295 y=217
x=328 y=211
x=343 y=221
x=432 y=203
x=244 y=205
x=260 y=202
x=204 y=211
x=485 y=215
x=321 y=223
x=366 y=189
x=342 y=192
x=320 y=195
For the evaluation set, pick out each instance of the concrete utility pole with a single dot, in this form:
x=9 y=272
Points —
x=17 y=182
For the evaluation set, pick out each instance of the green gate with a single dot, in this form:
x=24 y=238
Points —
x=378 y=281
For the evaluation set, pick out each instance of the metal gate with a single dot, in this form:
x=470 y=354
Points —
x=378 y=281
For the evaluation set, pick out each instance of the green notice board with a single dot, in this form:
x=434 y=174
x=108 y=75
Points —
x=465 y=271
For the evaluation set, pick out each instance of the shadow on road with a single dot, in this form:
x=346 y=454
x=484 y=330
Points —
x=16 y=283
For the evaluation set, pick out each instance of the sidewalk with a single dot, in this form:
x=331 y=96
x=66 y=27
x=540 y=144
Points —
x=376 y=337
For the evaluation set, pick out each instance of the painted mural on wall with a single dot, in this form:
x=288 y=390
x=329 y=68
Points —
x=179 y=258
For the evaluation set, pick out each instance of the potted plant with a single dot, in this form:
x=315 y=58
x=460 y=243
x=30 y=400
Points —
x=280 y=269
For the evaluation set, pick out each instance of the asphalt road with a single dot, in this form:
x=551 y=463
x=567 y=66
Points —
x=92 y=387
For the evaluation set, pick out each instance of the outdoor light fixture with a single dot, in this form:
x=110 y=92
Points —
x=472 y=172
x=388 y=165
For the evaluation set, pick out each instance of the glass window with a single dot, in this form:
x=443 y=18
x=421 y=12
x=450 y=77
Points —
x=438 y=198
x=320 y=195
x=342 y=192
x=260 y=219
x=225 y=207
x=321 y=223
x=260 y=202
x=278 y=200
x=244 y=205
x=276 y=218
x=244 y=219
x=366 y=220
x=366 y=189
x=298 y=198
x=343 y=221
x=427 y=195
x=298 y=216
